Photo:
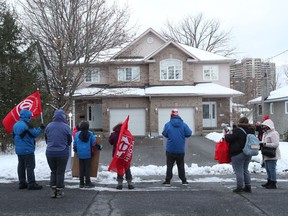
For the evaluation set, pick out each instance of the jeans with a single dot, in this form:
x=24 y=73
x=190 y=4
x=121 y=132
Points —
x=57 y=166
x=240 y=165
x=128 y=177
x=270 y=166
x=170 y=160
x=26 y=163
x=84 y=170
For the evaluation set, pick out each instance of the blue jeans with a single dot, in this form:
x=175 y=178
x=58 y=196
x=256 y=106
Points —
x=240 y=165
x=270 y=166
x=57 y=166
x=26 y=163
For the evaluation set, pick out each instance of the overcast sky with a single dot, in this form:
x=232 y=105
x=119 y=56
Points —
x=259 y=27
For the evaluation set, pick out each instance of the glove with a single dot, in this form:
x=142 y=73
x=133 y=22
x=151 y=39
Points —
x=99 y=147
x=262 y=145
x=42 y=126
x=75 y=149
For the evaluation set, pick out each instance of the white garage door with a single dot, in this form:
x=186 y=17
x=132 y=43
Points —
x=187 y=114
x=136 y=123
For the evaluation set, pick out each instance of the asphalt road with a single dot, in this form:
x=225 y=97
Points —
x=150 y=197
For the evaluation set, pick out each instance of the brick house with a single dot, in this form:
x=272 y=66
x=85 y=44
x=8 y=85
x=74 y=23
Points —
x=147 y=79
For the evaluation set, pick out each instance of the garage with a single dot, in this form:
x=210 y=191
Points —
x=137 y=120
x=187 y=114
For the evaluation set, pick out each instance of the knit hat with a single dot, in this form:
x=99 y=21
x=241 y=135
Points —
x=174 y=112
x=265 y=117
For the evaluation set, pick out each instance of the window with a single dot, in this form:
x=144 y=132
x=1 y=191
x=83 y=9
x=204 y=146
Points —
x=259 y=109
x=210 y=72
x=171 y=69
x=129 y=74
x=92 y=75
x=286 y=107
x=271 y=108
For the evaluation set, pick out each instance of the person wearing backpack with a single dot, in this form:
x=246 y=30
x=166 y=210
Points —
x=240 y=161
x=270 y=139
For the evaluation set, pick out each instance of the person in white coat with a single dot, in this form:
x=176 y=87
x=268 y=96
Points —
x=270 y=139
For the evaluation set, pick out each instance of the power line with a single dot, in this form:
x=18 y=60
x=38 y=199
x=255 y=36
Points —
x=278 y=54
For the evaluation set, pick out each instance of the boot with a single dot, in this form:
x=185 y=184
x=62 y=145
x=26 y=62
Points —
x=89 y=185
x=272 y=185
x=53 y=192
x=34 y=186
x=120 y=184
x=267 y=183
x=59 y=193
x=247 y=189
x=130 y=185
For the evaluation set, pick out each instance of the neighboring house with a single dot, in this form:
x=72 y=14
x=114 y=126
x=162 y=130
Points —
x=276 y=106
x=150 y=77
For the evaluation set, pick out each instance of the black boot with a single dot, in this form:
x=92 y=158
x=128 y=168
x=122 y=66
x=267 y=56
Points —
x=247 y=189
x=59 y=193
x=267 y=183
x=53 y=192
x=272 y=185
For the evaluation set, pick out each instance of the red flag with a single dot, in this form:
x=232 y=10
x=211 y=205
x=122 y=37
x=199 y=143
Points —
x=124 y=150
x=32 y=103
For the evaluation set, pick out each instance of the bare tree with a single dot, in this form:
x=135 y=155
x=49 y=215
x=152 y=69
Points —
x=72 y=34
x=200 y=33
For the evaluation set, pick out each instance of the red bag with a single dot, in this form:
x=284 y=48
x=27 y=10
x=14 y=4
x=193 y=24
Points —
x=222 y=152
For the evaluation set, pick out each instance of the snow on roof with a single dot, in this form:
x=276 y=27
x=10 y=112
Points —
x=203 y=89
x=203 y=55
x=280 y=94
x=109 y=92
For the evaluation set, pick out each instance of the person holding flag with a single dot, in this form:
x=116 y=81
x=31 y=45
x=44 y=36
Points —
x=24 y=135
x=123 y=144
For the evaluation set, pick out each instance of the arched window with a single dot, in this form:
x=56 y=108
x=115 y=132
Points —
x=171 y=69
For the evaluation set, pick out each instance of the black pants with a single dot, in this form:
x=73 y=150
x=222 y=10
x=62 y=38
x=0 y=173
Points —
x=84 y=170
x=128 y=176
x=26 y=163
x=57 y=166
x=170 y=160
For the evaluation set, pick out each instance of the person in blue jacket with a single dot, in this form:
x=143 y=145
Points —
x=24 y=135
x=176 y=132
x=58 y=136
x=84 y=145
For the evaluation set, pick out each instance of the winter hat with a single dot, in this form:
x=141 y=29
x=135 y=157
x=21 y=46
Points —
x=269 y=123
x=265 y=117
x=174 y=112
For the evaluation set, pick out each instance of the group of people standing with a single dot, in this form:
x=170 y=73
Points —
x=58 y=137
x=268 y=137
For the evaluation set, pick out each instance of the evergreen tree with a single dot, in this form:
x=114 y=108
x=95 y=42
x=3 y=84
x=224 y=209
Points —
x=19 y=70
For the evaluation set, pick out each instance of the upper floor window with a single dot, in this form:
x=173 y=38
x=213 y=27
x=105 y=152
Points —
x=210 y=72
x=92 y=75
x=286 y=107
x=129 y=74
x=171 y=69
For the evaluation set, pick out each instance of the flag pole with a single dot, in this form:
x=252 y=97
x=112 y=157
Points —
x=41 y=114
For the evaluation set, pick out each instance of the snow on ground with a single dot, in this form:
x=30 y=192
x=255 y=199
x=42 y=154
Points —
x=215 y=173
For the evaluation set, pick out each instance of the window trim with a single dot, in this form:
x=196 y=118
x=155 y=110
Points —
x=134 y=77
x=177 y=63
x=286 y=107
x=209 y=67
x=271 y=108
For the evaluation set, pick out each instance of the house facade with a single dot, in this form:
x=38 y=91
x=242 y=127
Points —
x=150 y=77
x=276 y=106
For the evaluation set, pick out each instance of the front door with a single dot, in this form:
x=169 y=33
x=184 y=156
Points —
x=209 y=114
x=94 y=114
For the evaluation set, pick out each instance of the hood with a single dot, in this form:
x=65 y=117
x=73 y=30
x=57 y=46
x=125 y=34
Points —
x=269 y=123
x=117 y=127
x=59 y=115
x=176 y=121
x=25 y=115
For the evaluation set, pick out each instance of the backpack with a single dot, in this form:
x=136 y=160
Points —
x=252 y=144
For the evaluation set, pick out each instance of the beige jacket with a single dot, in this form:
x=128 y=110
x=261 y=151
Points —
x=271 y=139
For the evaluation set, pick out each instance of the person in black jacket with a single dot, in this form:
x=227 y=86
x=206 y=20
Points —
x=240 y=161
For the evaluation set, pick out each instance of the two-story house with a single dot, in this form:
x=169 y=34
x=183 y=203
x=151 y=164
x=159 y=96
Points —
x=150 y=77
